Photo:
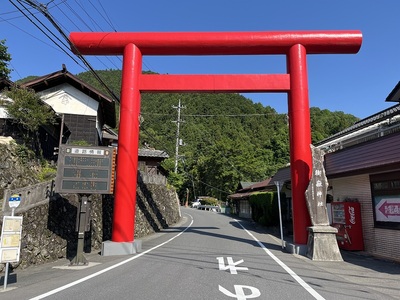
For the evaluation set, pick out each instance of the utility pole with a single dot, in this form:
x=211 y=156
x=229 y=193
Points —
x=179 y=107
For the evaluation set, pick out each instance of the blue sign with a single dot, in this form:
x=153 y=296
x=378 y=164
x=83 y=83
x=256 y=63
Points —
x=14 y=201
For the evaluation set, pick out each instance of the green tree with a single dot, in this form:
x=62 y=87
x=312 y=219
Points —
x=29 y=112
x=5 y=59
x=325 y=123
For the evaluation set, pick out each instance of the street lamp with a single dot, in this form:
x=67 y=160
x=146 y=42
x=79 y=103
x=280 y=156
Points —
x=279 y=185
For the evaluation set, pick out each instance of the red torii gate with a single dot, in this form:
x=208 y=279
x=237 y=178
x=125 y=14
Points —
x=294 y=44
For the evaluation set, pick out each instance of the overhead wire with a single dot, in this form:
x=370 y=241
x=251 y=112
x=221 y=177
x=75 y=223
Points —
x=47 y=35
x=107 y=17
x=41 y=23
x=93 y=21
x=85 y=24
x=43 y=9
x=101 y=12
x=31 y=35
x=108 y=21
x=211 y=115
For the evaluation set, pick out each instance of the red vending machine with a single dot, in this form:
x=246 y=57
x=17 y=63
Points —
x=346 y=217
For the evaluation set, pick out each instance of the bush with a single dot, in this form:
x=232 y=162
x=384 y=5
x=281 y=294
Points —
x=47 y=173
x=24 y=153
x=209 y=201
x=264 y=206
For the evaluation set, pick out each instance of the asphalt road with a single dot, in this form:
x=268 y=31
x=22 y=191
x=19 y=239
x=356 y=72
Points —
x=206 y=256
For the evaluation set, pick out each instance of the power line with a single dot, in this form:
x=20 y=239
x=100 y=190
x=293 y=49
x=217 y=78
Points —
x=78 y=16
x=105 y=13
x=47 y=35
x=212 y=115
x=43 y=9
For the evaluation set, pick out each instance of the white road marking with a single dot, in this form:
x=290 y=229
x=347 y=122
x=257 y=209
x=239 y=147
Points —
x=308 y=288
x=231 y=265
x=277 y=260
x=52 y=292
x=239 y=292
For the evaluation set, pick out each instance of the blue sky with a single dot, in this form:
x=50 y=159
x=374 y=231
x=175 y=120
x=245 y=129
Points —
x=357 y=84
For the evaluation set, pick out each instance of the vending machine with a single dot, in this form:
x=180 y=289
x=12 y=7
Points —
x=346 y=217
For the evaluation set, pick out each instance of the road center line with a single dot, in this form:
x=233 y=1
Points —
x=308 y=288
x=52 y=292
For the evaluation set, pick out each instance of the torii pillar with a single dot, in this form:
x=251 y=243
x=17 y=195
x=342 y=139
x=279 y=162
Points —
x=296 y=45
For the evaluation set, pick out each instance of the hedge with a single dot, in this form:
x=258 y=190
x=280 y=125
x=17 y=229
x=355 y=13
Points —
x=264 y=207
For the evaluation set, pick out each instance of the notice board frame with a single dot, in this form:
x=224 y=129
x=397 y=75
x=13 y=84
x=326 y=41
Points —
x=86 y=169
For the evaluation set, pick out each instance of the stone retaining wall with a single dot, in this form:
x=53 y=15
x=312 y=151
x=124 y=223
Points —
x=49 y=225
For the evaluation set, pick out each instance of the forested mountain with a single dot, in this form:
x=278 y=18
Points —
x=226 y=138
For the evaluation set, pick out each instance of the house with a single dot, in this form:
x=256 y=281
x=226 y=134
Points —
x=5 y=124
x=240 y=200
x=150 y=161
x=83 y=109
x=149 y=166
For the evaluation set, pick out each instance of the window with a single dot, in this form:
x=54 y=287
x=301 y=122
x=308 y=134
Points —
x=386 y=199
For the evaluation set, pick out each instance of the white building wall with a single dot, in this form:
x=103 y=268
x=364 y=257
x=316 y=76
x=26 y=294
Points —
x=3 y=111
x=65 y=99
x=380 y=242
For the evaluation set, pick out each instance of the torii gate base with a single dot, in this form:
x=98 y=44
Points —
x=109 y=248
x=295 y=45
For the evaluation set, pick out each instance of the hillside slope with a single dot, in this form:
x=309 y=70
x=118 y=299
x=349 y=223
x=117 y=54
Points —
x=224 y=138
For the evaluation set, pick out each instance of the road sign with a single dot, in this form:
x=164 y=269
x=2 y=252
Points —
x=14 y=201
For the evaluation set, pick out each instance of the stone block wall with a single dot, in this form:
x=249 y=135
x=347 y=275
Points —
x=49 y=233
x=49 y=219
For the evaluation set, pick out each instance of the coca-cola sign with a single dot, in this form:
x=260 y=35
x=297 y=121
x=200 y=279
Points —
x=352 y=214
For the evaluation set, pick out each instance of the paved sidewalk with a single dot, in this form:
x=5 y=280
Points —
x=357 y=266
x=365 y=270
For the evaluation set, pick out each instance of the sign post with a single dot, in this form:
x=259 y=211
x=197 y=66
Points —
x=82 y=226
x=85 y=171
x=278 y=188
x=10 y=242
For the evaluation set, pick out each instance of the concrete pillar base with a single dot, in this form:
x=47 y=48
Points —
x=298 y=249
x=322 y=244
x=109 y=248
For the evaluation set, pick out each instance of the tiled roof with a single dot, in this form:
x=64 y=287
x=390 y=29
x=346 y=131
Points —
x=108 y=133
x=282 y=175
x=144 y=152
x=258 y=185
x=246 y=192
x=245 y=184
x=364 y=123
